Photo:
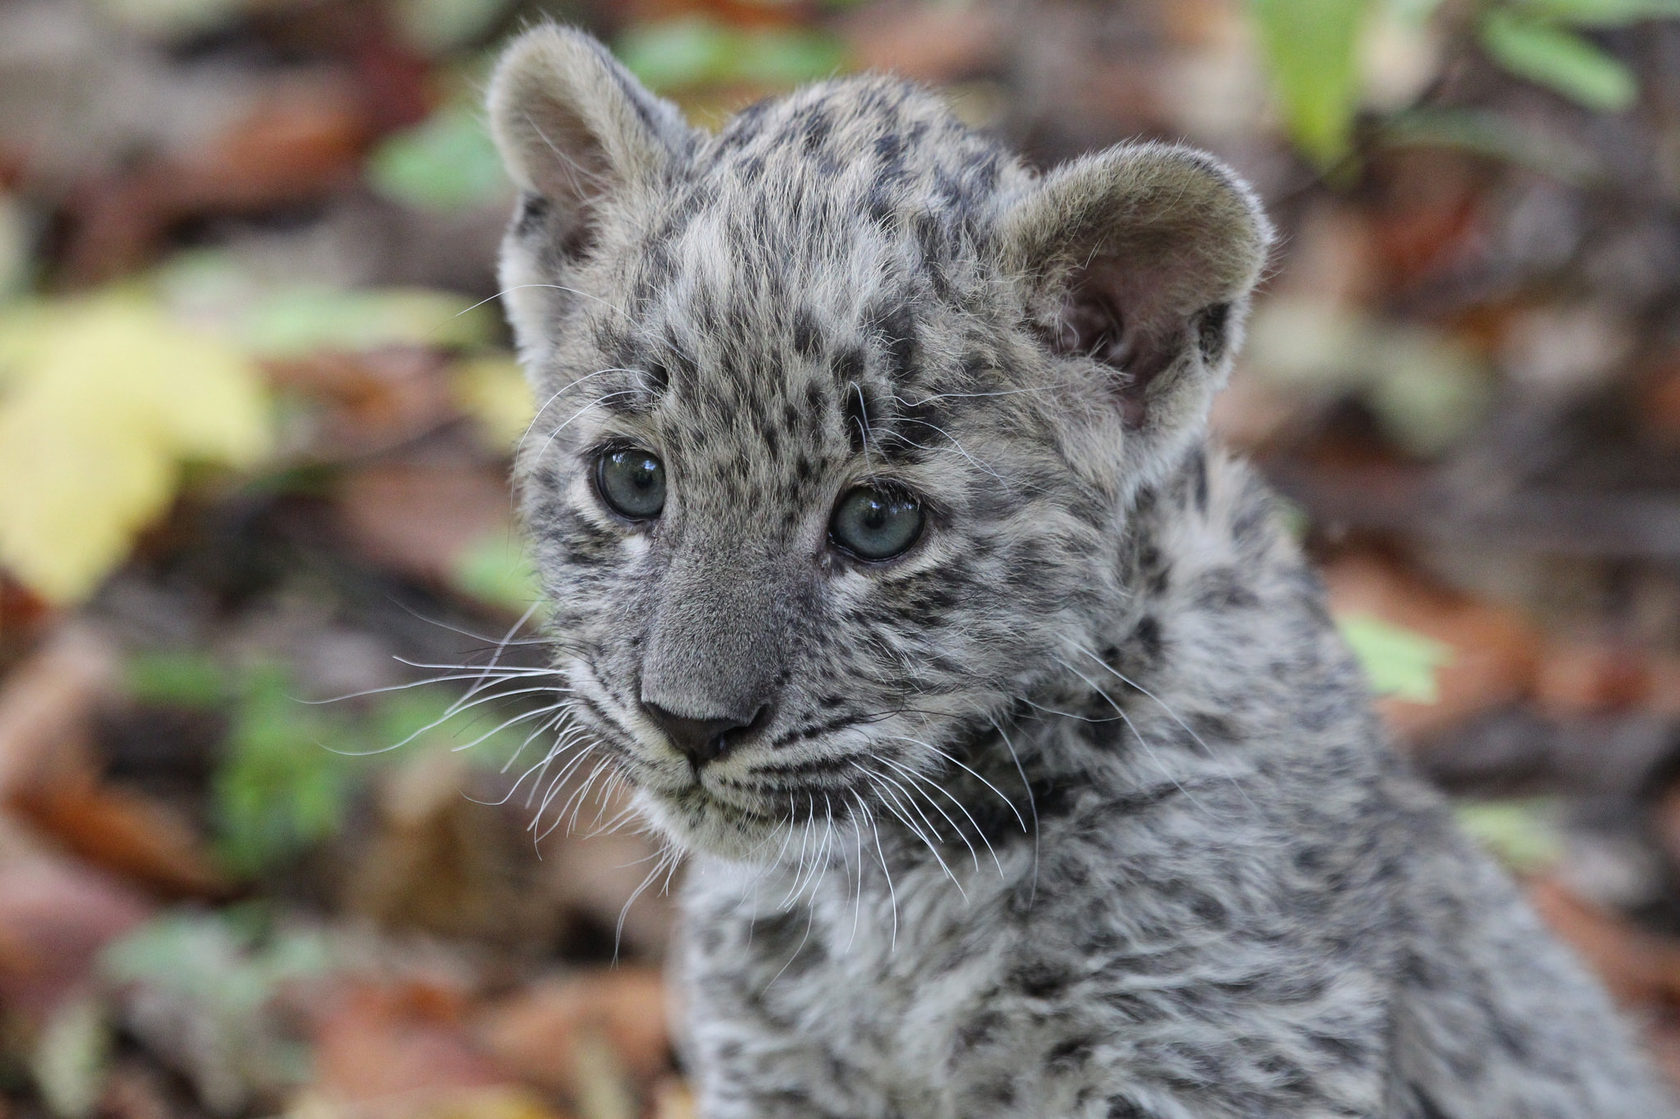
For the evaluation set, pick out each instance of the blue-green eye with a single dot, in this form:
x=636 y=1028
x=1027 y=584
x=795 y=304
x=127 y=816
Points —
x=875 y=524
x=632 y=482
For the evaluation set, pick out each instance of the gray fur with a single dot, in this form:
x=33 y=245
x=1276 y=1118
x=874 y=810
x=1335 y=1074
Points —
x=1077 y=808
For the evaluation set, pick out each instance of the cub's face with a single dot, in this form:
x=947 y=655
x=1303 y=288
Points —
x=839 y=412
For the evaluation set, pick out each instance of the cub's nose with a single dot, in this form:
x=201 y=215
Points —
x=703 y=740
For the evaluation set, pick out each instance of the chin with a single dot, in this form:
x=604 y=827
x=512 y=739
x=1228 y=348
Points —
x=700 y=824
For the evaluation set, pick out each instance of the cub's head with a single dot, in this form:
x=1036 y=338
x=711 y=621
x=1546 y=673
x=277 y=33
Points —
x=840 y=415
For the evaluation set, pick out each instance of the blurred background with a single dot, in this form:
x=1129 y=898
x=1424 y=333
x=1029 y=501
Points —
x=256 y=401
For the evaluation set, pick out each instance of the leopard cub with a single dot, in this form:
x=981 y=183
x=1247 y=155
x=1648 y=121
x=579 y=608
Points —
x=1021 y=769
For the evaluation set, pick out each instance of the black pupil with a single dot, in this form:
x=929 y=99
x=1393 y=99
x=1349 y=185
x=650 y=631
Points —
x=876 y=525
x=633 y=482
x=641 y=474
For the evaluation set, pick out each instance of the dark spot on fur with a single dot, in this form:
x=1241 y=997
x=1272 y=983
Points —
x=533 y=208
x=1211 y=327
x=807 y=339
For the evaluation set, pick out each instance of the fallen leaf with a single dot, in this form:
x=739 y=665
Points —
x=554 y=1033
x=936 y=43
x=1638 y=967
x=45 y=706
x=71 y=1055
x=424 y=520
x=126 y=832
x=55 y=918
x=107 y=399
x=359 y=401
x=446 y=162
x=397 y=1044
x=1579 y=677
x=1493 y=650
x=1397 y=661
x=443 y=863
x=201 y=995
x=494 y=392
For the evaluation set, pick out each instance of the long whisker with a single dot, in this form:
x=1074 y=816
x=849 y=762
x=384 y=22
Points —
x=1032 y=805
x=1171 y=714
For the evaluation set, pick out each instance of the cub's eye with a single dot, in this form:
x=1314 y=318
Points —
x=632 y=482
x=874 y=524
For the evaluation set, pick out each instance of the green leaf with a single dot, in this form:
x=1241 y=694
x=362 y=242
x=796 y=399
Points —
x=282 y=788
x=301 y=320
x=1561 y=60
x=685 y=53
x=177 y=679
x=1311 y=53
x=1398 y=661
x=72 y=1056
x=498 y=570
x=448 y=162
x=1602 y=13
x=227 y=981
x=1521 y=833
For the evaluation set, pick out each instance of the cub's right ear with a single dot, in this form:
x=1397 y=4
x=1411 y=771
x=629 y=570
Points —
x=575 y=128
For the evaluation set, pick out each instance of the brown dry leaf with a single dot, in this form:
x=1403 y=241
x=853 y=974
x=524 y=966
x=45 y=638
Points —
x=1639 y=967
x=489 y=1103
x=422 y=519
x=45 y=707
x=1574 y=678
x=934 y=43
x=554 y=1033
x=300 y=142
x=398 y=1046
x=370 y=399
x=594 y=874
x=443 y=863
x=124 y=831
x=1431 y=213
x=55 y=916
x=1659 y=409
x=1493 y=648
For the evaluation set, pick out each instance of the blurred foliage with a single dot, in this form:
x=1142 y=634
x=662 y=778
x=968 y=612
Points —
x=1523 y=833
x=697 y=51
x=287 y=769
x=1314 y=49
x=106 y=400
x=283 y=781
x=446 y=162
x=498 y=570
x=219 y=974
x=1397 y=661
x=1311 y=48
x=283 y=784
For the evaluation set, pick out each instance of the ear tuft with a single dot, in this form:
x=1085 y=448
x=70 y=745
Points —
x=574 y=126
x=1147 y=254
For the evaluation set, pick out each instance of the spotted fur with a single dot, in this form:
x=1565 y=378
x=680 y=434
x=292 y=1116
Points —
x=1077 y=807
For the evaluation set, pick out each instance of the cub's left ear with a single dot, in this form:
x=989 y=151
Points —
x=1143 y=258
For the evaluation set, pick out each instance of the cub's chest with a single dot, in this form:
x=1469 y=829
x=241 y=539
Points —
x=895 y=1005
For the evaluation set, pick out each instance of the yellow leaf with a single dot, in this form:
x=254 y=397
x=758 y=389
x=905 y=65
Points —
x=106 y=398
x=493 y=391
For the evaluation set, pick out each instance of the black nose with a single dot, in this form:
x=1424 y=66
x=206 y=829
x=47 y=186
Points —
x=703 y=740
